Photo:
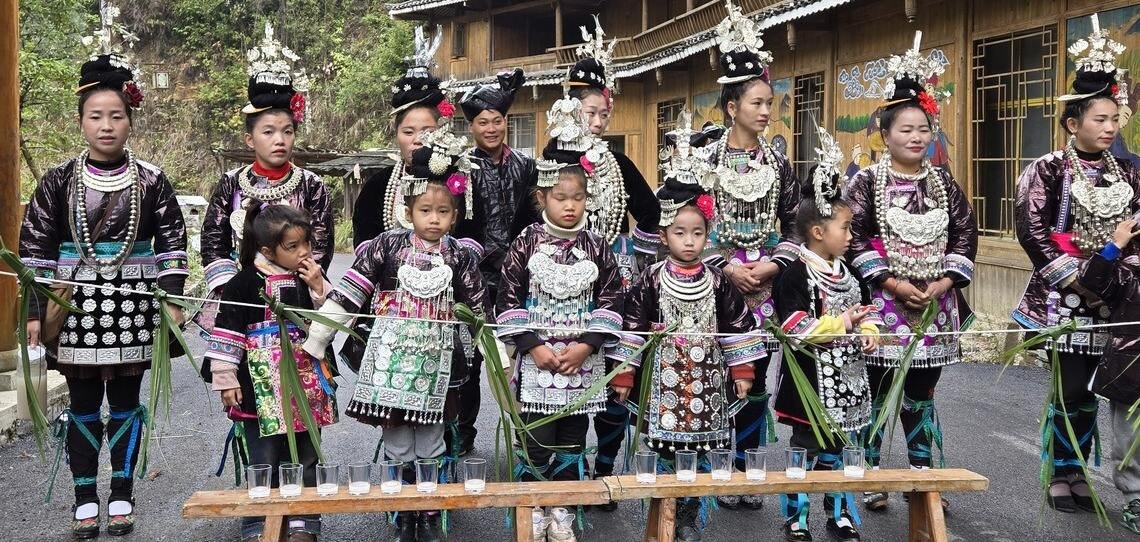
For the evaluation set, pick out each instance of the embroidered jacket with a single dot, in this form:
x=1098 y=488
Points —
x=1044 y=219
x=46 y=226
x=218 y=242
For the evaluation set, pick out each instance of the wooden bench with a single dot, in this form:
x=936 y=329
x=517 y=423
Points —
x=926 y=519
x=522 y=496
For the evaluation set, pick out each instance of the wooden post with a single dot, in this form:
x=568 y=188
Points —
x=644 y=15
x=524 y=524
x=9 y=169
x=662 y=520
x=919 y=523
x=689 y=5
x=557 y=23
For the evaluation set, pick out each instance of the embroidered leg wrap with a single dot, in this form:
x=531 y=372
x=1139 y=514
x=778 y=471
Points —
x=610 y=428
x=834 y=504
x=124 y=435
x=1064 y=457
x=873 y=443
x=84 y=440
x=923 y=432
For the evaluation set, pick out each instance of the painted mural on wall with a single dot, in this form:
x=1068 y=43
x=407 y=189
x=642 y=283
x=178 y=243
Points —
x=861 y=87
x=1123 y=25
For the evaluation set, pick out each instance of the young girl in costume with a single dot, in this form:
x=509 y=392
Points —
x=755 y=187
x=1068 y=203
x=104 y=219
x=276 y=108
x=696 y=378
x=412 y=368
x=244 y=351
x=559 y=279
x=820 y=299
x=617 y=191
x=914 y=241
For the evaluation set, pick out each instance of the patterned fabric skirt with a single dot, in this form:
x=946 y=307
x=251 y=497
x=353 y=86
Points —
x=114 y=337
x=933 y=351
x=405 y=371
x=547 y=392
x=761 y=303
x=263 y=356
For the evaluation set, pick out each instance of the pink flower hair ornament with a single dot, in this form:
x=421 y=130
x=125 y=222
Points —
x=445 y=108
x=706 y=205
x=457 y=184
x=297 y=106
x=586 y=164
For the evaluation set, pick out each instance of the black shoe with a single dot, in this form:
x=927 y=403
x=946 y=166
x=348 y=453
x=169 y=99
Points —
x=1084 y=502
x=731 y=502
x=608 y=507
x=1063 y=501
x=686 y=529
x=406 y=526
x=847 y=533
x=428 y=528
x=796 y=535
x=752 y=502
x=465 y=448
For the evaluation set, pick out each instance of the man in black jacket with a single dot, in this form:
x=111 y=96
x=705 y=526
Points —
x=500 y=186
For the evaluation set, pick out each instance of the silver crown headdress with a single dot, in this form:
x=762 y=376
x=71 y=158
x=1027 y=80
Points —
x=685 y=163
x=594 y=46
x=1097 y=53
x=273 y=63
x=738 y=33
x=103 y=42
x=569 y=131
x=423 y=56
x=447 y=148
x=915 y=66
x=825 y=180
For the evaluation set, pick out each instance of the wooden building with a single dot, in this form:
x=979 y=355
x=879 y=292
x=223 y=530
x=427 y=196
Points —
x=1005 y=64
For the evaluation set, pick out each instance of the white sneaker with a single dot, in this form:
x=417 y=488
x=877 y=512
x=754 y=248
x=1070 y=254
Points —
x=539 y=523
x=561 y=526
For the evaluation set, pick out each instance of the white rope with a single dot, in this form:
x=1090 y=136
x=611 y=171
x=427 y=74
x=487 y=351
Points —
x=1088 y=327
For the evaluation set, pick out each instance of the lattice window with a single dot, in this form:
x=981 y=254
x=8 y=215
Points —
x=1014 y=119
x=809 y=110
x=667 y=113
x=520 y=133
x=459 y=124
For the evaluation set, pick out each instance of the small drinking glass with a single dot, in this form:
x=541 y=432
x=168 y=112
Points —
x=257 y=477
x=756 y=464
x=391 y=476
x=853 y=462
x=328 y=479
x=721 y=460
x=474 y=474
x=686 y=466
x=646 y=465
x=359 y=478
x=292 y=476
x=427 y=475
x=796 y=466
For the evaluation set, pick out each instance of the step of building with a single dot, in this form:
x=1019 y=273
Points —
x=11 y=427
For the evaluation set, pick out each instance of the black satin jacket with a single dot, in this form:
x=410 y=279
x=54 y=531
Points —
x=1118 y=283
x=368 y=211
x=46 y=226
x=311 y=195
x=499 y=190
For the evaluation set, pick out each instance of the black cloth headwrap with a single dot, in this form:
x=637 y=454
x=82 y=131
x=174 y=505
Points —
x=269 y=95
x=498 y=98
x=588 y=72
x=100 y=72
x=419 y=166
x=677 y=191
x=563 y=156
x=745 y=64
x=709 y=133
x=423 y=90
x=906 y=89
x=1097 y=83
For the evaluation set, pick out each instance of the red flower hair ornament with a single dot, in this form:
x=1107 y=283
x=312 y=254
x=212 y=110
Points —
x=445 y=108
x=133 y=93
x=297 y=106
x=586 y=164
x=457 y=184
x=927 y=103
x=706 y=206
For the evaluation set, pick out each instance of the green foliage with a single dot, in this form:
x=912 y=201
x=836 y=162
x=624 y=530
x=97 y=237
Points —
x=352 y=51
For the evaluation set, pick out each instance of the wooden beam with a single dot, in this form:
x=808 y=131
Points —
x=888 y=481
x=557 y=23
x=9 y=162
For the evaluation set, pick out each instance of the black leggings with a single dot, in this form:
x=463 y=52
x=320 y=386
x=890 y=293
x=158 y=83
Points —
x=1081 y=405
x=563 y=441
x=83 y=446
x=917 y=414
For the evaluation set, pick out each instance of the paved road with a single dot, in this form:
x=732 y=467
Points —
x=991 y=428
